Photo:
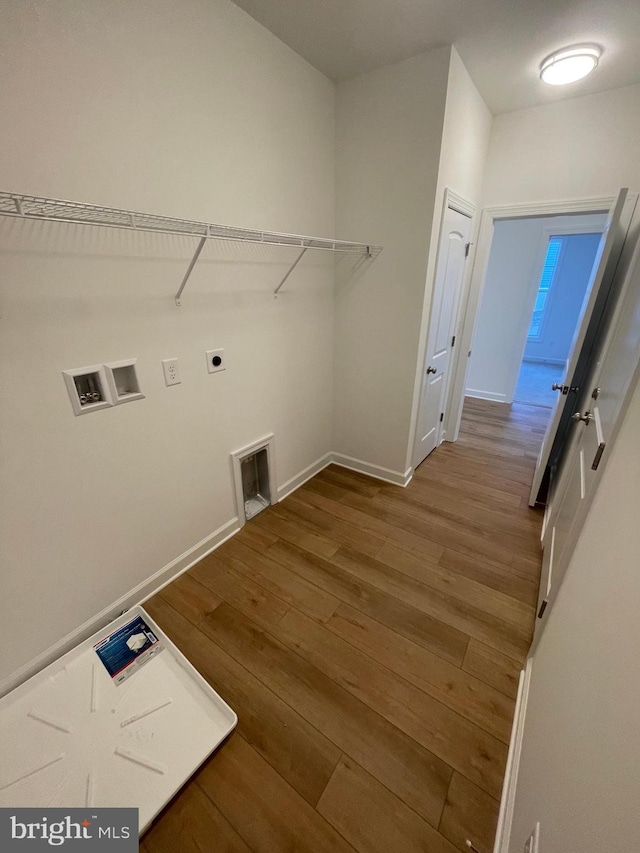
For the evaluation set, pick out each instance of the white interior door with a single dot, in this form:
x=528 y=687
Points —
x=604 y=401
x=604 y=268
x=452 y=252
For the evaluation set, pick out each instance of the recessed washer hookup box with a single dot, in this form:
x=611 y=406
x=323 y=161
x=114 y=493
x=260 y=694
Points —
x=127 y=649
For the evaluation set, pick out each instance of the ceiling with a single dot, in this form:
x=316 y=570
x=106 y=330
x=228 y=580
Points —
x=502 y=42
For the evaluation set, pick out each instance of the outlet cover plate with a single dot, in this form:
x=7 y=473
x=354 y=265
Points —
x=171 y=372
x=214 y=355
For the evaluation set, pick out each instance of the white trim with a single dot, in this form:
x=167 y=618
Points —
x=135 y=596
x=557 y=362
x=508 y=799
x=457 y=202
x=478 y=394
x=377 y=471
x=387 y=475
x=300 y=479
x=203 y=548
x=551 y=208
x=545 y=520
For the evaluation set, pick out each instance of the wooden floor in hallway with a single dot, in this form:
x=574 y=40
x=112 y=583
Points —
x=370 y=639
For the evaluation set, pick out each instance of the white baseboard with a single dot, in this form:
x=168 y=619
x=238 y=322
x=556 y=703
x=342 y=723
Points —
x=300 y=479
x=507 y=802
x=558 y=362
x=185 y=561
x=485 y=395
x=181 y=564
x=137 y=595
x=372 y=470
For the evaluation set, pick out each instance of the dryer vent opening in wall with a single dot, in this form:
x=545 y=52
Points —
x=256 y=493
x=254 y=475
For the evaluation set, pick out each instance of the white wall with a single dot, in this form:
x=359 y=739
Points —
x=579 y=766
x=511 y=283
x=579 y=148
x=404 y=134
x=564 y=300
x=388 y=138
x=465 y=136
x=185 y=108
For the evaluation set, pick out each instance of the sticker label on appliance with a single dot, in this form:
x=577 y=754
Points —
x=127 y=649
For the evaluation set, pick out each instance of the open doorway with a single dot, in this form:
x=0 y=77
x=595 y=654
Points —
x=537 y=276
x=509 y=316
x=561 y=289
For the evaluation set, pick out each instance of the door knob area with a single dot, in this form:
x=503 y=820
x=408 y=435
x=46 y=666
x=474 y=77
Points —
x=432 y=369
x=587 y=417
x=556 y=387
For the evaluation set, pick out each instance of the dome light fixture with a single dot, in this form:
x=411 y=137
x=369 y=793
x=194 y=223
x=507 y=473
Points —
x=569 y=64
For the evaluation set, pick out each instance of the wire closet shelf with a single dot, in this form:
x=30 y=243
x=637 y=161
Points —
x=57 y=210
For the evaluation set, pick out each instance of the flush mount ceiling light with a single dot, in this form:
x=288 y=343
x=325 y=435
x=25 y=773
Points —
x=570 y=64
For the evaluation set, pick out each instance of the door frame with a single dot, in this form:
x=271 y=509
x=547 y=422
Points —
x=477 y=279
x=455 y=201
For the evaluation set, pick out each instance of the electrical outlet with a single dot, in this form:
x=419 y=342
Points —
x=171 y=372
x=215 y=360
x=533 y=842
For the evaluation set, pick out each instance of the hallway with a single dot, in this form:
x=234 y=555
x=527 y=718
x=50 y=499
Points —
x=370 y=639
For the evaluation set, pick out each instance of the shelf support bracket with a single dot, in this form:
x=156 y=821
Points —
x=194 y=260
x=291 y=269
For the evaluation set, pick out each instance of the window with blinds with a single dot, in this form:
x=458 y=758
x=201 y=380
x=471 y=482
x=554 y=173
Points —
x=546 y=283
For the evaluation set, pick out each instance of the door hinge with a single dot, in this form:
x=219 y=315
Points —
x=441 y=416
x=543 y=607
x=466 y=249
x=453 y=341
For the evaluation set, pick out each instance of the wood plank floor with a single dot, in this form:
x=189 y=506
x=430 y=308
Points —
x=370 y=639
